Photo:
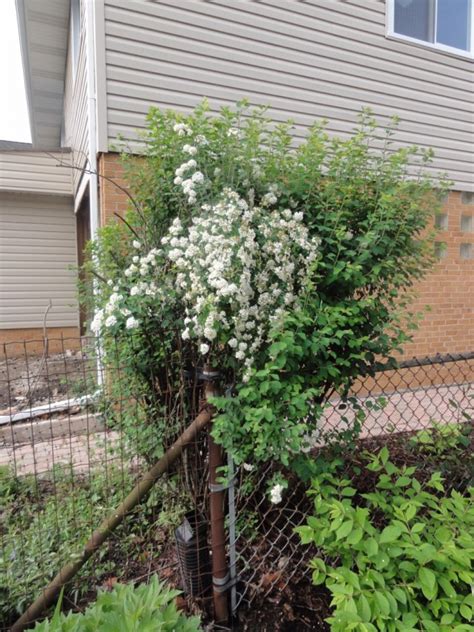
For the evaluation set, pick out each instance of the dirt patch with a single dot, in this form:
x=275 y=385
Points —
x=26 y=382
x=300 y=607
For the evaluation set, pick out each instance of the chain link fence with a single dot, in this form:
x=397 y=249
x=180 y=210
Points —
x=74 y=441
x=397 y=408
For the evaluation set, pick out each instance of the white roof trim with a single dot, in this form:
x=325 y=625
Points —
x=43 y=28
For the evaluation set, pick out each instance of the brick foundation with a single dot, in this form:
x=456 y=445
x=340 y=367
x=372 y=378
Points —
x=20 y=342
x=448 y=290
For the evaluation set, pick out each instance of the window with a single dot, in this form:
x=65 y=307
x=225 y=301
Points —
x=443 y=24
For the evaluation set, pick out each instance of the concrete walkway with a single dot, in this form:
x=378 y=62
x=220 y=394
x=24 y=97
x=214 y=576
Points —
x=83 y=443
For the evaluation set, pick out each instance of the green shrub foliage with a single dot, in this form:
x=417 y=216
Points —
x=287 y=267
x=395 y=559
x=145 y=608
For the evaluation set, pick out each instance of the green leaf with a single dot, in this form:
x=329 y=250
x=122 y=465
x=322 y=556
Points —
x=355 y=537
x=427 y=581
x=447 y=587
x=443 y=535
x=306 y=534
x=344 y=529
x=466 y=612
x=400 y=595
x=390 y=534
x=371 y=547
x=382 y=603
x=363 y=609
x=446 y=619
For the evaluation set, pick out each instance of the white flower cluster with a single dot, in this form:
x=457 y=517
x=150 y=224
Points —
x=238 y=270
x=141 y=274
x=182 y=129
x=107 y=317
x=276 y=494
x=188 y=184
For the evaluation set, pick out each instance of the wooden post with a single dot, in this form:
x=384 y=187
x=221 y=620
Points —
x=220 y=577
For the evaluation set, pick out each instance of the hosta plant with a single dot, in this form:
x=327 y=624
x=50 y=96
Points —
x=396 y=559
x=145 y=608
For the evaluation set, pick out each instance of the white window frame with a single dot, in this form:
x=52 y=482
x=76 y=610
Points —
x=392 y=34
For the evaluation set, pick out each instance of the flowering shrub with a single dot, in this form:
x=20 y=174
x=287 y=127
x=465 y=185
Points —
x=287 y=268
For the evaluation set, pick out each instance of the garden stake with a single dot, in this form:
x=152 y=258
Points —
x=99 y=536
x=220 y=577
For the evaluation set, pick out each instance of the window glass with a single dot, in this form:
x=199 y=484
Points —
x=415 y=18
x=454 y=23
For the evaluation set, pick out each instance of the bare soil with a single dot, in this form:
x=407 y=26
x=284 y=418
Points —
x=36 y=380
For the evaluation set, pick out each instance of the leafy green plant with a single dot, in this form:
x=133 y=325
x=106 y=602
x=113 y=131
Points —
x=288 y=268
x=441 y=438
x=146 y=608
x=44 y=524
x=400 y=557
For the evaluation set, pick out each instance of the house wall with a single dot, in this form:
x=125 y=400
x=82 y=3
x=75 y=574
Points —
x=308 y=60
x=37 y=250
x=76 y=125
x=36 y=172
x=448 y=327
x=113 y=201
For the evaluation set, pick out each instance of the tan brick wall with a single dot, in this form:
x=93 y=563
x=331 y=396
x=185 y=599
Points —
x=18 y=342
x=448 y=290
x=112 y=200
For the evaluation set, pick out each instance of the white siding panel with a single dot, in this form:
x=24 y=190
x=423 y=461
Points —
x=309 y=60
x=37 y=252
x=36 y=171
x=76 y=124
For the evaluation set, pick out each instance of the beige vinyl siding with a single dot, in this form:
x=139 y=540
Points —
x=76 y=126
x=37 y=248
x=310 y=60
x=36 y=171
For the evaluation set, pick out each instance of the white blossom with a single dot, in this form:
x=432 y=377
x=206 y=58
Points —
x=132 y=323
x=182 y=129
x=110 y=321
x=97 y=322
x=275 y=494
x=136 y=244
x=204 y=349
x=190 y=149
x=197 y=177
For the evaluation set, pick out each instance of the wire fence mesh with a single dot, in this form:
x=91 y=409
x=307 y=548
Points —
x=423 y=395
x=74 y=441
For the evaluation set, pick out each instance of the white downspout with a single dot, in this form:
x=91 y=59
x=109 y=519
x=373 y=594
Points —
x=92 y=117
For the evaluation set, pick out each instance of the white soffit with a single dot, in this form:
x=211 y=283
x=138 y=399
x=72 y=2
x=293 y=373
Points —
x=44 y=28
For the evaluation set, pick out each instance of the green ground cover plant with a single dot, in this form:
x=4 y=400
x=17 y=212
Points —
x=397 y=558
x=44 y=523
x=146 y=608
